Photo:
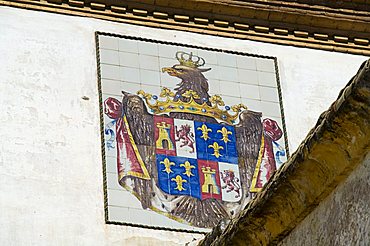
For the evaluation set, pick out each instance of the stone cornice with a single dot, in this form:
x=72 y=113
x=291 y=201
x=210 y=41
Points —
x=333 y=149
x=291 y=23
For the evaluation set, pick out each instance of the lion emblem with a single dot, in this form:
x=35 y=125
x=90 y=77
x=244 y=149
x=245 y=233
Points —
x=185 y=136
x=231 y=182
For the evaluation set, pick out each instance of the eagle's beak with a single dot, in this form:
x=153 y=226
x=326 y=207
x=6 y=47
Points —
x=166 y=69
x=171 y=71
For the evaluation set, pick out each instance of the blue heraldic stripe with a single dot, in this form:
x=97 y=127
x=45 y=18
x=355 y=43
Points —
x=216 y=142
x=178 y=175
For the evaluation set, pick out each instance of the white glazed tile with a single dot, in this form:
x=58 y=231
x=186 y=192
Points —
x=227 y=73
x=167 y=51
x=111 y=164
x=112 y=87
x=109 y=57
x=246 y=62
x=147 y=48
x=154 y=90
x=254 y=105
x=269 y=94
x=229 y=88
x=106 y=42
x=267 y=79
x=228 y=60
x=214 y=87
x=130 y=87
x=130 y=74
x=266 y=65
x=247 y=76
x=149 y=62
x=118 y=214
x=166 y=62
x=213 y=73
x=210 y=57
x=112 y=182
x=270 y=108
x=149 y=77
x=110 y=72
x=123 y=198
x=169 y=81
x=250 y=91
x=128 y=45
x=140 y=216
x=129 y=59
x=160 y=220
x=231 y=101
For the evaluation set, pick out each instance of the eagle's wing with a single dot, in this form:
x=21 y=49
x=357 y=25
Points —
x=248 y=138
x=141 y=127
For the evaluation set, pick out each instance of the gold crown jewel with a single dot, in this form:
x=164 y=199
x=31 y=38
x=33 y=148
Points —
x=191 y=106
x=189 y=60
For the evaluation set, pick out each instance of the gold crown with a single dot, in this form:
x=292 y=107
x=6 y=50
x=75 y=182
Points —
x=191 y=106
x=189 y=60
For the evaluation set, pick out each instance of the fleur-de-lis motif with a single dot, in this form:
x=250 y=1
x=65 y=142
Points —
x=188 y=168
x=225 y=134
x=191 y=93
x=166 y=93
x=216 y=149
x=217 y=100
x=205 y=131
x=167 y=163
x=179 y=182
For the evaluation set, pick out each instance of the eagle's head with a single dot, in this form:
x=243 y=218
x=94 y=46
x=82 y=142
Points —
x=191 y=75
x=186 y=73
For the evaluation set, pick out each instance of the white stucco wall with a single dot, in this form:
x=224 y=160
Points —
x=50 y=160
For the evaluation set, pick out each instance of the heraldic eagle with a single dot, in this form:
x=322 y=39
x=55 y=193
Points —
x=248 y=130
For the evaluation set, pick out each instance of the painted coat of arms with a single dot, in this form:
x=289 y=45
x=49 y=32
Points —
x=185 y=154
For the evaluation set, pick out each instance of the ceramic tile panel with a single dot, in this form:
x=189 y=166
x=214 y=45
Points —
x=109 y=57
x=228 y=73
x=250 y=91
x=175 y=121
x=150 y=77
x=245 y=62
x=247 y=77
x=128 y=46
x=266 y=65
x=166 y=51
x=118 y=197
x=149 y=62
x=129 y=59
x=269 y=94
x=253 y=104
x=146 y=48
x=209 y=56
x=111 y=163
x=110 y=72
x=109 y=43
x=112 y=87
x=112 y=182
x=227 y=60
x=230 y=88
x=267 y=79
x=129 y=74
x=129 y=87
